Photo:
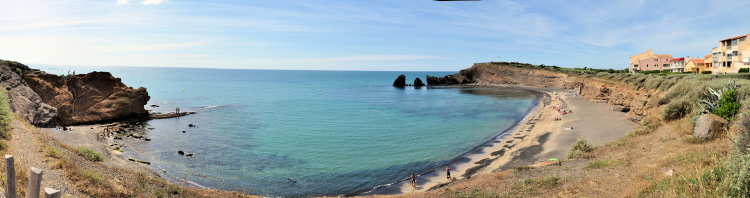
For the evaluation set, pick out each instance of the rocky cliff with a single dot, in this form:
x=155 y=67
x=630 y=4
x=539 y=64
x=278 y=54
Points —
x=624 y=97
x=485 y=73
x=89 y=98
x=24 y=101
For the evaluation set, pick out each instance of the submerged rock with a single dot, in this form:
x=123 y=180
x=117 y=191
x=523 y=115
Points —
x=181 y=152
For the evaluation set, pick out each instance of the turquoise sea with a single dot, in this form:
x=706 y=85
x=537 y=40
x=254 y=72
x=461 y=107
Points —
x=333 y=132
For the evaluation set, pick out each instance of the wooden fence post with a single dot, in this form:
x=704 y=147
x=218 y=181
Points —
x=51 y=193
x=10 y=177
x=35 y=182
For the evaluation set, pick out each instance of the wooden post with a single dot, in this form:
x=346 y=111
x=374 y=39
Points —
x=51 y=193
x=35 y=183
x=10 y=177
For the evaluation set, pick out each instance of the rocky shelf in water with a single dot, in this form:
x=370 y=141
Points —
x=159 y=115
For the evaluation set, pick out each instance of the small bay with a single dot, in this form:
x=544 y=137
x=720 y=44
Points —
x=333 y=132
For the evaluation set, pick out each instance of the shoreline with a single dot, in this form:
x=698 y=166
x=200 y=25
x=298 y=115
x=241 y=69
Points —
x=478 y=159
x=547 y=139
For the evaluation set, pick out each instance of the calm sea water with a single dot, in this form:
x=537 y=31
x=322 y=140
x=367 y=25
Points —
x=333 y=132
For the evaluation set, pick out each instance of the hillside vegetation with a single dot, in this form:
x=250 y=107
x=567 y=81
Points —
x=660 y=158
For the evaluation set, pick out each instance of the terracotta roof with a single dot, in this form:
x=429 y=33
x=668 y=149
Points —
x=708 y=56
x=697 y=60
x=736 y=37
x=676 y=59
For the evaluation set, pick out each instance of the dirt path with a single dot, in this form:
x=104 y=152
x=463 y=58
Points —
x=25 y=147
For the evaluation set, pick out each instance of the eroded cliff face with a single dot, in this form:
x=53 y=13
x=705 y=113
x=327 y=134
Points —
x=623 y=97
x=89 y=98
x=482 y=73
x=23 y=100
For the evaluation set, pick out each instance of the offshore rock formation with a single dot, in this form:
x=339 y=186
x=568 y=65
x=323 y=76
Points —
x=89 y=98
x=418 y=82
x=23 y=100
x=400 y=81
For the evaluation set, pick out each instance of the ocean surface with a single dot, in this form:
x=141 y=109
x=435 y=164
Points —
x=333 y=132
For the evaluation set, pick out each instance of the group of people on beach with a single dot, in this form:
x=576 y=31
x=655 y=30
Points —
x=64 y=128
x=414 y=177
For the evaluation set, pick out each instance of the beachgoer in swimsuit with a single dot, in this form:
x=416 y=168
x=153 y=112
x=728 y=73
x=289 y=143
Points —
x=448 y=171
x=413 y=181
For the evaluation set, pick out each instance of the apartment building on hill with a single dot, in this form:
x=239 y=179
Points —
x=728 y=57
x=648 y=61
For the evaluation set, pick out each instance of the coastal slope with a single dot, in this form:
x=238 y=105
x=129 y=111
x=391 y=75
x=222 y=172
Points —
x=661 y=157
x=25 y=102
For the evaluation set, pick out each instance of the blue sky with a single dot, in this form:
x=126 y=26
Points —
x=407 y=35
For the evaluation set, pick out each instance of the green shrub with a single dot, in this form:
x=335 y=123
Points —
x=5 y=120
x=706 y=72
x=728 y=106
x=688 y=88
x=653 y=82
x=676 y=109
x=89 y=154
x=580 y=149
x=668 y=82
x=744 y=70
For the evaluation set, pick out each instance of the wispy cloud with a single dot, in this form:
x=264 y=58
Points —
x=152 y=2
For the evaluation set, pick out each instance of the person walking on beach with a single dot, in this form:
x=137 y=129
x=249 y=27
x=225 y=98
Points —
x=413 y=181
x=448 y=171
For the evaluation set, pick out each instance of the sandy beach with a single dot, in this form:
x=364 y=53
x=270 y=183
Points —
x=86 y=136
x=536 y=138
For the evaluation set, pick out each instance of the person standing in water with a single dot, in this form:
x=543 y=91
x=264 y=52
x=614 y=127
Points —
x=448 y=171
x=413 y=181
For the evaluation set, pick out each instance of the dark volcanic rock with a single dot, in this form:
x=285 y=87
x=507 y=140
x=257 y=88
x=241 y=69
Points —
x=24 y=101
x=88 y=98
x=418 y=82
x=447 y=80
x=400 y=81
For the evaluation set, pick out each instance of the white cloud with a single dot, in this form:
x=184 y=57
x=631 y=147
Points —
x=122 y=2
x=152 y=2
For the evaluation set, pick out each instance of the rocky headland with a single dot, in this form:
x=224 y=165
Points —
x=89 y=98
x=623 y=97
x=47 y=100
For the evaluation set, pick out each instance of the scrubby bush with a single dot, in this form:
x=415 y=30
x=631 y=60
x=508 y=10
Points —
x=648 y=125
x=679 y=90
x=580 y=149
x=669 y=82
x=89 y=154
x=744 y=70
x=728 y=106
x=706 y=72
x=676 y=109
x=653 y=82
x=5 y=120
